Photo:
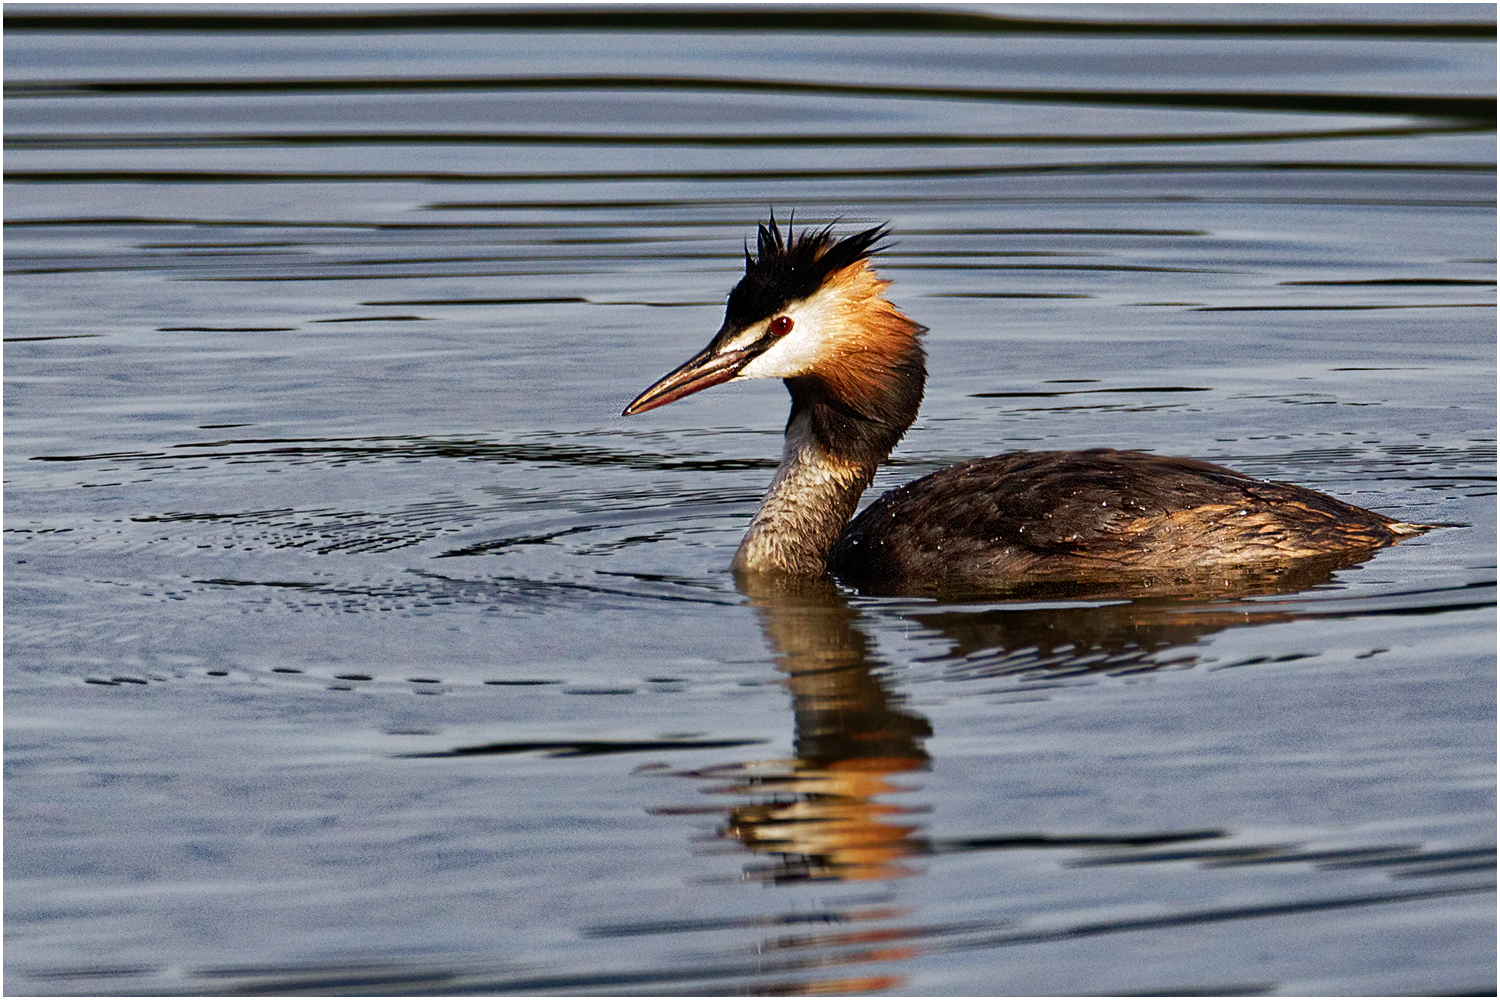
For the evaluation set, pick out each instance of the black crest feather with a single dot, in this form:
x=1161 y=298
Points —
x=787 y=269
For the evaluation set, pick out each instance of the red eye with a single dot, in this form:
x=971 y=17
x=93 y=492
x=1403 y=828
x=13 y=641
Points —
x=781 y=326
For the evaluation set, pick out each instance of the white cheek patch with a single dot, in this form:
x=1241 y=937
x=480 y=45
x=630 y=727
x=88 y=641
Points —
x=745 y=338
x=801 y=351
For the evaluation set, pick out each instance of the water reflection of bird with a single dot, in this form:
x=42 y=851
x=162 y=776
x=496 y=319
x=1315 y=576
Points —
x=810 y=311
x=825 y=818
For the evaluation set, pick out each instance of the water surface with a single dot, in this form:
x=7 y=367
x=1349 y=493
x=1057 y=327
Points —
x=354 y=644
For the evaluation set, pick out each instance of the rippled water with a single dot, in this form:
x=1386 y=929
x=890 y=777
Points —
x=354 y=644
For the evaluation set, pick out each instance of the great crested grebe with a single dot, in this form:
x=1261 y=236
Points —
x=810 y=311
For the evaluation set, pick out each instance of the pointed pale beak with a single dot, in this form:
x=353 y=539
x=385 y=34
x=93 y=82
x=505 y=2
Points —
x=708 y=367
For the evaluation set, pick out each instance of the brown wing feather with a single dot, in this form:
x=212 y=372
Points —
x=1094 y=516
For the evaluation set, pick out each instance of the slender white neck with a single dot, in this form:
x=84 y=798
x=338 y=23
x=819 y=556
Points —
x=810 y=500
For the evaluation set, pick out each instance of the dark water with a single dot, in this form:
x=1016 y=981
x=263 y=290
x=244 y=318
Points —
x=354 y=644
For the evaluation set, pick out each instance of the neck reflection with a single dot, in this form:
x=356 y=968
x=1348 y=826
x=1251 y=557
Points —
x=821 y=815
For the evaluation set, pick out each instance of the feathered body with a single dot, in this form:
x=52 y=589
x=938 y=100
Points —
x=1096 y=517
x=812 y=312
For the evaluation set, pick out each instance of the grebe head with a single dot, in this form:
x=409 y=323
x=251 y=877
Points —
x=808 y=307
x=809 y=311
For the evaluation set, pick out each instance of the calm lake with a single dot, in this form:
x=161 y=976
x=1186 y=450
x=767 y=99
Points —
x=355 y=645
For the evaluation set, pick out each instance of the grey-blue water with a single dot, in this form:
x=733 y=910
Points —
x=354 y=644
